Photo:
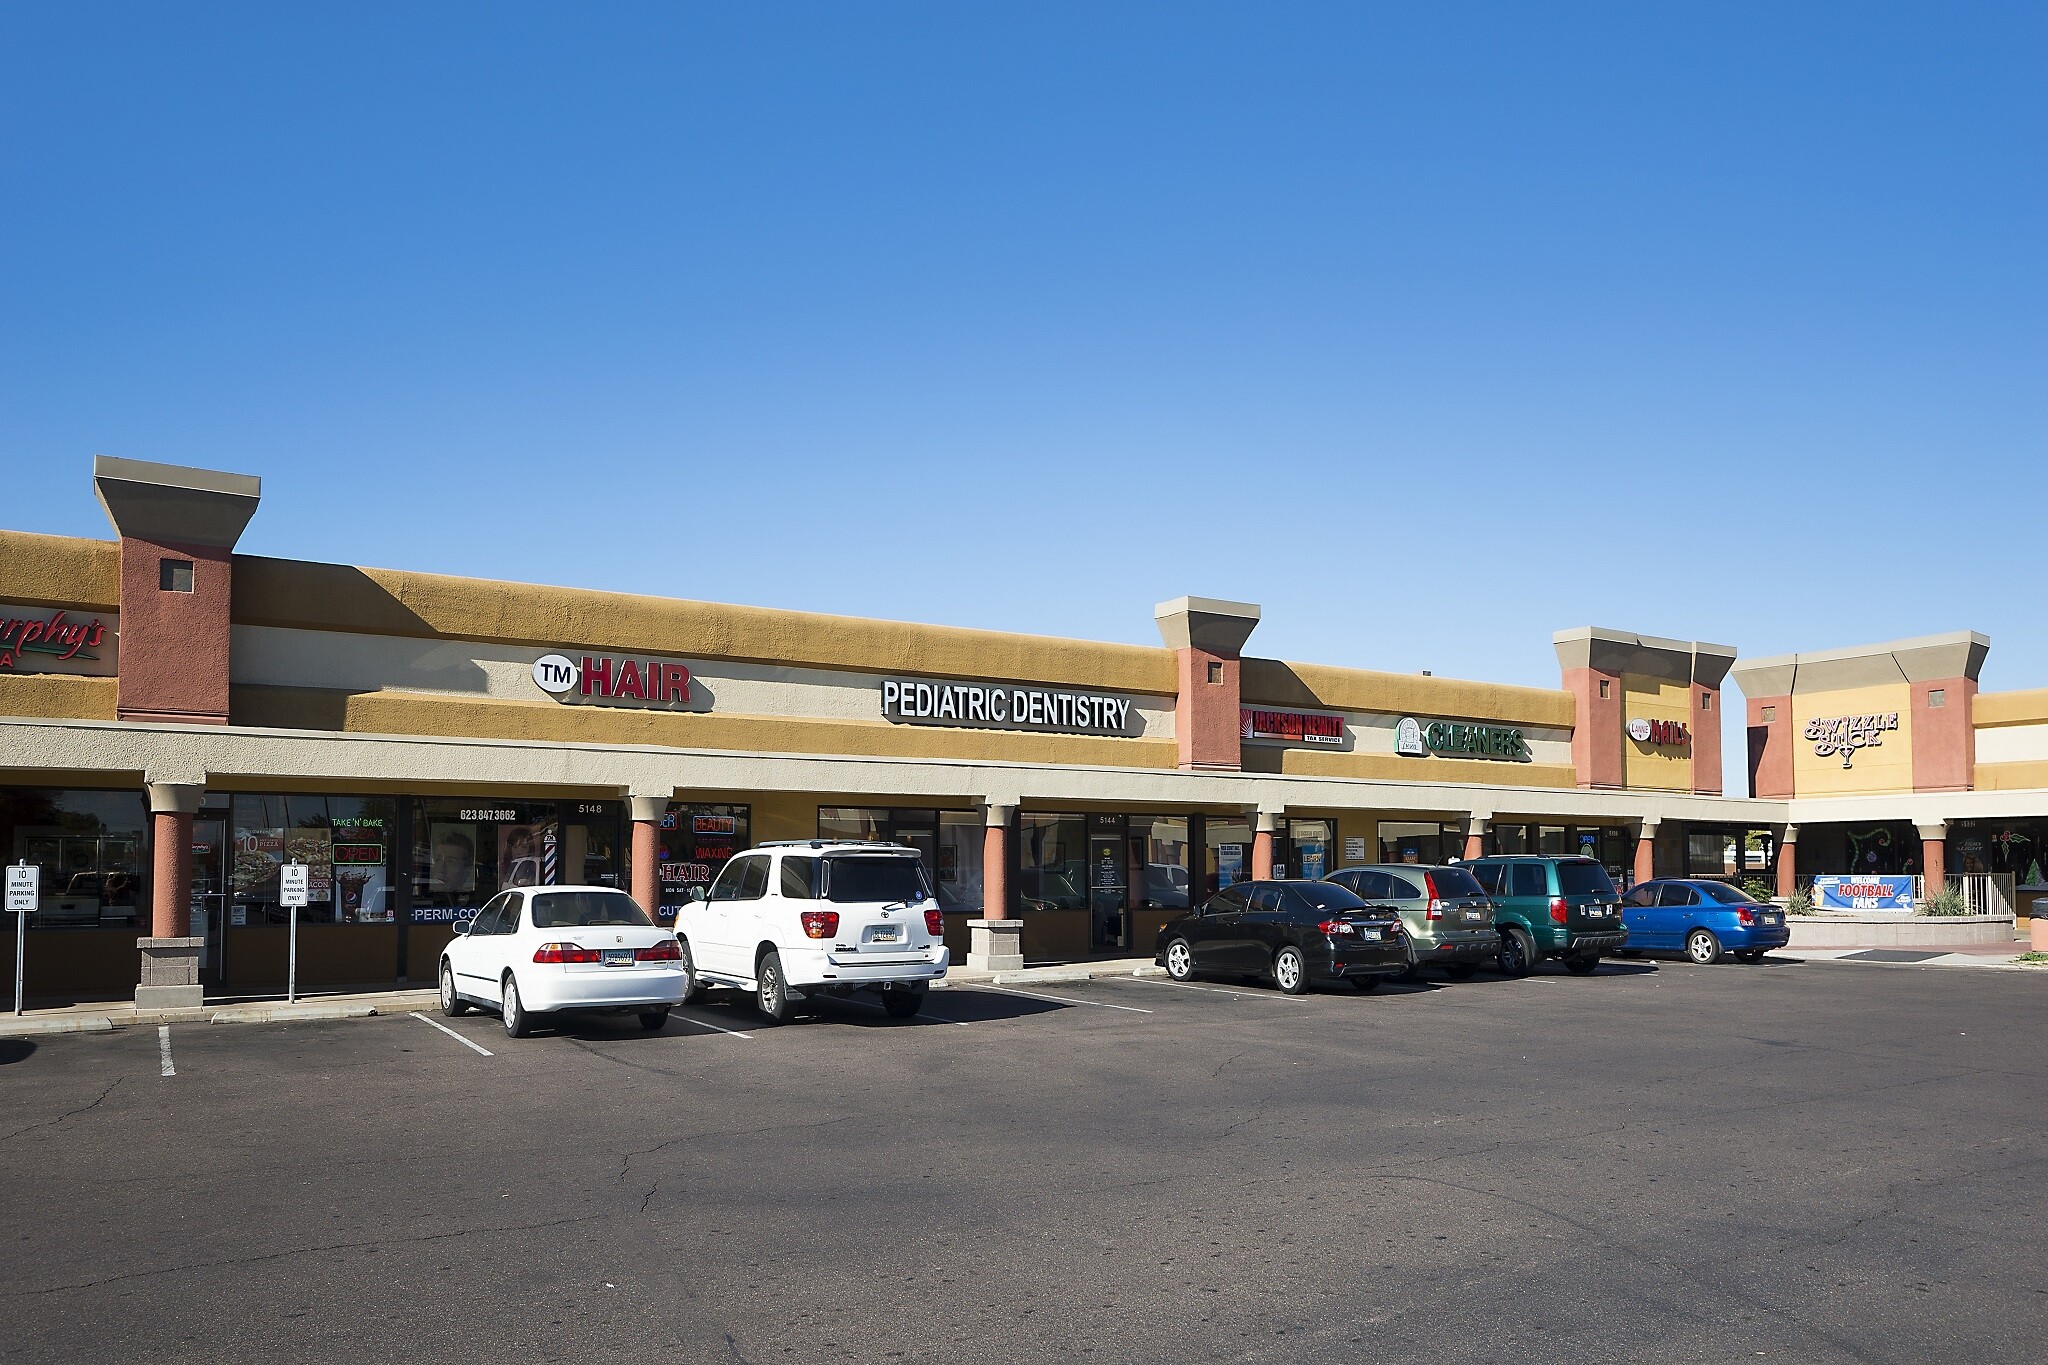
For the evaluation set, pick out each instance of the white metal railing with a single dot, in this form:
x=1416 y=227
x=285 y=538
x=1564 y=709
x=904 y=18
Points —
x=1986 y=893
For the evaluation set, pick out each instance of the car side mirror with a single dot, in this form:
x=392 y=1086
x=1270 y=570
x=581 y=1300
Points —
x=462 y=925
x=698 y=893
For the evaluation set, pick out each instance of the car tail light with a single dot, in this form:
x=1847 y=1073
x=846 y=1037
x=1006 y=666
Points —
x=821 y=923
x=1435 y=911
x=934 y=924
x=1558 y=909
x=1333 y=927
x=668 y=950
x=566 y=952
x=1745 y=917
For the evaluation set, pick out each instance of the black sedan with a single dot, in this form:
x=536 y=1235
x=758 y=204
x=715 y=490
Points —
x=1296 y=932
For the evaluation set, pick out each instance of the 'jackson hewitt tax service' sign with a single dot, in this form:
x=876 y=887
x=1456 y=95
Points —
x=1004 y=706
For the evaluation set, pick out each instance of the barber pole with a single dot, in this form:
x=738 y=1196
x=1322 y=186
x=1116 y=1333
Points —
x=548 y=861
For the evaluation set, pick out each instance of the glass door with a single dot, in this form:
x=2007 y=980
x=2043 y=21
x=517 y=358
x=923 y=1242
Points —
x=1109 y=893
x=209 y=903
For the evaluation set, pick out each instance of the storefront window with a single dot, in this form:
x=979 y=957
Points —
x=1511 y=839
x=1555 y=841
x=1052 y=861
x=89 y=847
x=1308 y=851
x=1429 y=844
x=696 y=841
x=1161 y=859
x=950 y=842
x=466 y=850
x=962 y=835
x=1227 y=853
x=346 y=843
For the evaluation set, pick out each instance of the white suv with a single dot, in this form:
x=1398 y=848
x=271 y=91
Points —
x=795 y=919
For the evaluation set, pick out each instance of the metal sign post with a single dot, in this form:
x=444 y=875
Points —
x=24 y=889
x=291 y=893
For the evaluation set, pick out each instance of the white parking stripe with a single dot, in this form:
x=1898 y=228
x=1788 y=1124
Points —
x=435 y=1023
x=1064 y=1000
x=163 y=1048
x=691 y=1019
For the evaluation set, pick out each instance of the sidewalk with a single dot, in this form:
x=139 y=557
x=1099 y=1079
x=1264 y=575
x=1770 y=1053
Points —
x=107 y=1015
x=1999 y=956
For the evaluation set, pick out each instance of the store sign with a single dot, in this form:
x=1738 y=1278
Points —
x=1291 y=727
x=37 y=640
x=1457 y=739
x=1670 y=734
x=1844 y=735
x=1004 y=706
x=1863 y=893
x=604 y=680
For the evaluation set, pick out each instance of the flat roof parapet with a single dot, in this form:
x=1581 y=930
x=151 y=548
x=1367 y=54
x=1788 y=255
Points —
x=1923 y=658
x=169 y=504
x=1605 y=650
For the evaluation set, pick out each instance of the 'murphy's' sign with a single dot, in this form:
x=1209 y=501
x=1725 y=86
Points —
x=38 y=640
x=1004 y=706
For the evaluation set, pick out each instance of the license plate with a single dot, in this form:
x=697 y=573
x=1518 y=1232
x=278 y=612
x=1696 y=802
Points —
x=889 y=934
x=618 y=957
x=1372 y=934
x=1772 y=919
x=1472 y=916
x=1597 y=912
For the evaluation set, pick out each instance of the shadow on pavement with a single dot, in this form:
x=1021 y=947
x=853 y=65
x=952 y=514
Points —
x=16 y=1050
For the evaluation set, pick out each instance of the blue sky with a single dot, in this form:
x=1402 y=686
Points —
x=1433 y=329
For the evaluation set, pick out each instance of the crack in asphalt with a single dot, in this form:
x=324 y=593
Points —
x=69 y=1114
x=300 y=1251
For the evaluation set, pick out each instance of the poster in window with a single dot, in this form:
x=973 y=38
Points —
x=452 y=869
x=519 y=853
x=1229 y=864
x=258 y=852
x=1312 y=859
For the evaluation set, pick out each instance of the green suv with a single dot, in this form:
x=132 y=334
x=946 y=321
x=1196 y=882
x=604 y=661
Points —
x=1447 y=915
x=1551 y=907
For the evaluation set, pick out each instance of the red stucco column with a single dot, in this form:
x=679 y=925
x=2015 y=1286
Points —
x=170 y=884
x=1475 y=837
x=1646 y=851
x=1264 y=826
x=995 y=868
x=1934 y=855
x=1788 y=861
x=646 y=812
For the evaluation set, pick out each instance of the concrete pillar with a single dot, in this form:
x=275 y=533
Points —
x=1646 y=851
x=170 y=955
x=996 y=940
x=1476 y=830
x=646 y=812
x=1934 y=854
x=1788 y=861
x=1265 y=827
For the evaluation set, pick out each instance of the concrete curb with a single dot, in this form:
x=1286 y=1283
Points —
x=1053 y=976
x=26 y=1028
x=284 y=1014
x=1981 y=962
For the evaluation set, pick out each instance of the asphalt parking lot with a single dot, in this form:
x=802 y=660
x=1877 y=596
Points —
x=1813 y=1162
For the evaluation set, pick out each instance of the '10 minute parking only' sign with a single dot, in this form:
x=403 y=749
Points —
x=22 y=885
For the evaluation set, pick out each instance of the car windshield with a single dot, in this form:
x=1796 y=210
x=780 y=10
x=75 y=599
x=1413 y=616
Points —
x=1726 y=894
x=1329 y=896
x=1583 y=879
x=1452 y=882
x=864 y=879
x=587 y=910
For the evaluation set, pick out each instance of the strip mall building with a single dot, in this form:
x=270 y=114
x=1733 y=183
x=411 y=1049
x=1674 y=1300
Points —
x=177 y=720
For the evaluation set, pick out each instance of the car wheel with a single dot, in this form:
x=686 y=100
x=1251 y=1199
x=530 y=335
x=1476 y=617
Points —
x=1585 y=964
x=452 y=1005
x=903 y=1002
x=653 y=1019
x=1461 y=971
x=1366 y=983
x=1517 y=953
x=1180 y=960
x=1702 y=947
x=1290 y=972
x=771 y=992
x=518 y=1022
x=693 y=989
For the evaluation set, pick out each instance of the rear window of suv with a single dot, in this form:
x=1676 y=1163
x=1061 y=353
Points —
x=874 y=879
x=1453 y=882
x=587 y=909
x=1583 y=879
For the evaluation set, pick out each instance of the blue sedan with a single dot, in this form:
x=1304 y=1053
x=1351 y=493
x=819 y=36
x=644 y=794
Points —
x=1702 y=919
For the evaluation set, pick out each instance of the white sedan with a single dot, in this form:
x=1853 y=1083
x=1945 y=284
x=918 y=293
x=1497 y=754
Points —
x=540 y=949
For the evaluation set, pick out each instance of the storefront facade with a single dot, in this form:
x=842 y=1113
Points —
x=176 y=721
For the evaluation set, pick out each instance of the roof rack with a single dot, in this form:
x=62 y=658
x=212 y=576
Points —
x=833 y=843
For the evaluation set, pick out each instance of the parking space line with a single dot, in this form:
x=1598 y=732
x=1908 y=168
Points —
x=163 y=1048
x=435 y=1023
x=1063 y=999
x=1213 y=990
x=717 y=1028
